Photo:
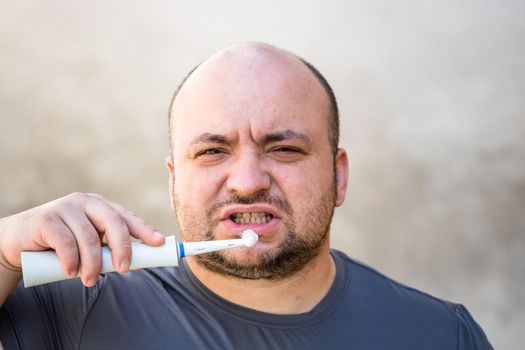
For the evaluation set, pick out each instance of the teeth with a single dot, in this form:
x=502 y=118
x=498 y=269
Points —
x=251 y=218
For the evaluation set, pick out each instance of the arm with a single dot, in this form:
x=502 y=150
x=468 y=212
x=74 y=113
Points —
x=75 y=227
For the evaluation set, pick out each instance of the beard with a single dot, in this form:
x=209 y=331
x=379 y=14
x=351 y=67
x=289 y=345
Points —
x=295 y=251
x=291 y=256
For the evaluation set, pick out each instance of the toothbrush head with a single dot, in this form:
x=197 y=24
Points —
x=249 y=238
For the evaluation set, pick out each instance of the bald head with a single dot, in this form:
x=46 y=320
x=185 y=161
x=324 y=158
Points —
x=242 y=69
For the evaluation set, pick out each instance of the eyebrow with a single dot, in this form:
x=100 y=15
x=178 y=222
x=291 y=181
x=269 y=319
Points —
x=211 y=138
x=286 y=135
x=268 y=138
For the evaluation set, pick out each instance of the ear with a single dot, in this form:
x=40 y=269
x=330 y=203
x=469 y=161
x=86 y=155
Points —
x=341 y=175
x=171 y=181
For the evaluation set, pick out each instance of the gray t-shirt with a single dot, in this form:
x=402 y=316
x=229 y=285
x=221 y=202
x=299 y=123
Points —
x=169 y=308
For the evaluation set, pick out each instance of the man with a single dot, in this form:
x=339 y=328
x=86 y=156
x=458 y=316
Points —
x=254 y=144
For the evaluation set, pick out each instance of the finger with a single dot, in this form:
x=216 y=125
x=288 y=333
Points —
x=138 y=228
x=59 y=237
x=89 y=245
x=120 y=249
x=110 y=223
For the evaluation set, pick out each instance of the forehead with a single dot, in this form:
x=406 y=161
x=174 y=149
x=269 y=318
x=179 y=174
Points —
x=250 y=93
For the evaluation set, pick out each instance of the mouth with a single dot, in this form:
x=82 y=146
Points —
x=261 y=218
x=251 y=218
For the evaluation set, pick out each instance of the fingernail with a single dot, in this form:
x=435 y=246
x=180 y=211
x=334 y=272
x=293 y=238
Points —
x=124 y=265
x=159 y=236
x=71 y=273
x=88 y=282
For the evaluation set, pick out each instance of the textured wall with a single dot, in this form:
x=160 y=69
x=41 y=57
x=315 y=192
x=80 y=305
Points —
x=431 y=98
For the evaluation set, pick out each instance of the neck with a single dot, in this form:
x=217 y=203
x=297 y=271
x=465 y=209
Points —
x=296 y=294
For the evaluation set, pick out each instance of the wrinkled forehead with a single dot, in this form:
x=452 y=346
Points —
x=262 y=90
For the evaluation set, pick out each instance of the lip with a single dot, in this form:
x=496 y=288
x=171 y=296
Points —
x=249 y=208
x=260 y=229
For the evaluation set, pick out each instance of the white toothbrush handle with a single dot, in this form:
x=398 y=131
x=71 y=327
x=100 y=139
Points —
x=44 y=267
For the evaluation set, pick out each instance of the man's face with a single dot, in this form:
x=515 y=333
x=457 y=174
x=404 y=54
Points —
x=251 y=151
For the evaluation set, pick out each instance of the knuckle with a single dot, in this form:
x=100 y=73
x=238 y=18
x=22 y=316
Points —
x=119 y=233
x=87 y=228
x=94 y=196
x=68 y=240
x=118 y=227
x=138 y=221
x=77 y=196
x=123 y=228
x=125 y=249
x=141 y=221
x=91 y=239
x=71 y=200
x=117 y=207
x=48 y=218
x=69 y=258
x=115 y=217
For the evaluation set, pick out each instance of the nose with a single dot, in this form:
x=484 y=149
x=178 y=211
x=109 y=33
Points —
x=248 y=176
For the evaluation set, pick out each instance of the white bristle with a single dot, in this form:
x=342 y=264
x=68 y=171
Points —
x=249 y=238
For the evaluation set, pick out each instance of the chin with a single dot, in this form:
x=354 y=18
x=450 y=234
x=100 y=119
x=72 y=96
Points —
x=248 y=256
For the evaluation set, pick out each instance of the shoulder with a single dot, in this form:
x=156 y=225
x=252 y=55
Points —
x=370 y=284
x=388 y=303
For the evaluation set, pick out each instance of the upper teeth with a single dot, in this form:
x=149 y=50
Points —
x=251 y=218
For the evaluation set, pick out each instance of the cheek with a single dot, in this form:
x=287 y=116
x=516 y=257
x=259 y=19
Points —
x=193 y=196
x=303 y=186
x=190 y=177
x=196 y=187
x=306 y=187
x=312 y=175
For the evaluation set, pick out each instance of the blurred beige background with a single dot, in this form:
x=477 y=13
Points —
x=432 y=104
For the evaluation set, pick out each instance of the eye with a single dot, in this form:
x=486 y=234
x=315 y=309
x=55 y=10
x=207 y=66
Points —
x=209 y=152
x=286 y=149
x=287 y=154
x=209 y=155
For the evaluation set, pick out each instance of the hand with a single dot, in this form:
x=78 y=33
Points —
x=75 y=226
